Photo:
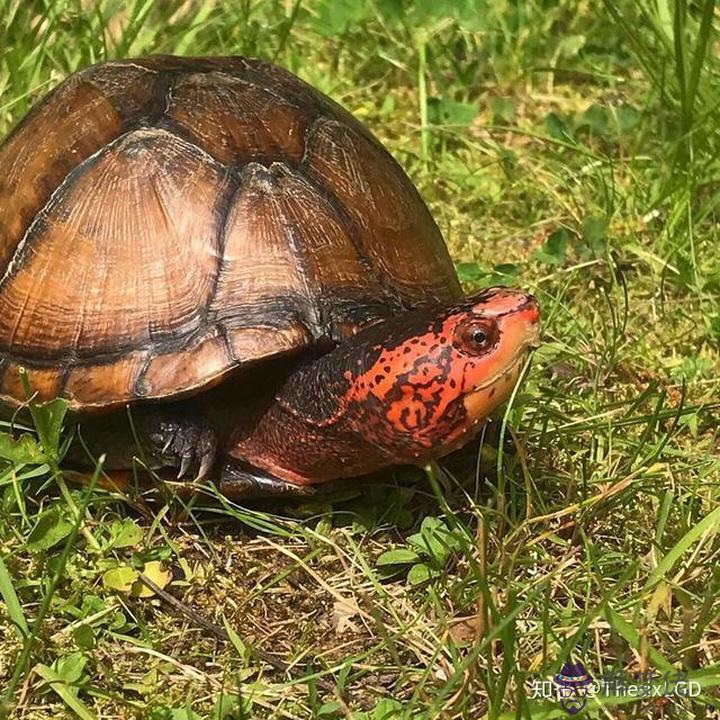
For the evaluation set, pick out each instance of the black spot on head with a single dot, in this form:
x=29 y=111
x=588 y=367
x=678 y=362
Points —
x=407 y=350
x=443 y=340
x=379 y=378
x=415 y=341
x=453 y=384
x=434 y=347
x=387 y=369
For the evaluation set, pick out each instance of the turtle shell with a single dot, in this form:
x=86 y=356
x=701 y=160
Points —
x=165 y=220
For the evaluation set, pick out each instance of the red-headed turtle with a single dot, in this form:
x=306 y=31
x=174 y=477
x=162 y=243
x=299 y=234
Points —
x=224 y=249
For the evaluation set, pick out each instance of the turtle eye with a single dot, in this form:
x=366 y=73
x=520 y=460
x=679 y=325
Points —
x=477 y=336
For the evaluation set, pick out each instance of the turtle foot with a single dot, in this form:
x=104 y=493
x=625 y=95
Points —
x=189 y=443
x=238 y=480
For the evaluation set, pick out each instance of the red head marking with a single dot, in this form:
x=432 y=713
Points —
x=429 y=385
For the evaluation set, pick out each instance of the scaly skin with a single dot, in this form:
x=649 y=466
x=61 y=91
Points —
x=402 y=392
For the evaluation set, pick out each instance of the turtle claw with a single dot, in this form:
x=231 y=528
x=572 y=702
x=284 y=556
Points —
x=188 y=443
x=206 y=465
x=185 y=463
x=202 y=458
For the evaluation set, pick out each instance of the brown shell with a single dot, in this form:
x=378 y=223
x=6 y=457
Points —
x=165 y=220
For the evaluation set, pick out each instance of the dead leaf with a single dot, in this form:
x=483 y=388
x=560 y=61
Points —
x=343 y=610
x=465 y=629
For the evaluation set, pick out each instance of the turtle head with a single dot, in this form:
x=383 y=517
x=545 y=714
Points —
x=401 y=391
x=436 y=377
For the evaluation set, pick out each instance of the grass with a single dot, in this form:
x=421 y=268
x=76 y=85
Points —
x=569 y=147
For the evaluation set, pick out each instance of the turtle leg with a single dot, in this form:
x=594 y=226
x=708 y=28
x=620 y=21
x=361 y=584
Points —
x=159 y=437
x=237 y=480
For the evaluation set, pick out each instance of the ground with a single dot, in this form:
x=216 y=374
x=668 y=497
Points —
x=569 y=147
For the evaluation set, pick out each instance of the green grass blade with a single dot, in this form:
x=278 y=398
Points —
x=679 y=46
x=59 y=686
x=701 y=46
x=32 y=637
x=12 y=603
x=632 y=636
x=710 y=523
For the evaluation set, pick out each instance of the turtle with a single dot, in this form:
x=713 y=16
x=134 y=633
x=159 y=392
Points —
x=228 y=277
